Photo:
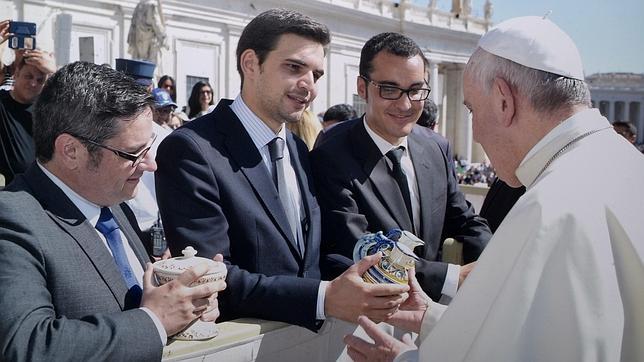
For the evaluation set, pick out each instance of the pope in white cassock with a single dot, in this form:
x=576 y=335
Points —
x=563 y=277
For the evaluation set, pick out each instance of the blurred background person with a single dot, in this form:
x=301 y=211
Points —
x=17 y=149
x=141 y=70
x=167 y=82
x=429 y=115
x=626 y=130
x=175 y=120
x=334 y=115
x=163 y=107
x=200 y=99
x=307 y=128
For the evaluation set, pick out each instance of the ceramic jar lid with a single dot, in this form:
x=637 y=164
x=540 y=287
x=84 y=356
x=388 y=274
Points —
x=177 y=265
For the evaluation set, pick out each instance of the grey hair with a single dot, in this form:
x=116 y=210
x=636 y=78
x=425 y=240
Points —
x=547 y=92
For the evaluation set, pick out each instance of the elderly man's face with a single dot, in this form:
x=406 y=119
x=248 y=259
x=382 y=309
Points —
x=479 y=103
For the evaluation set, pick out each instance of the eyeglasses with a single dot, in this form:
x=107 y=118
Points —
x=393 y=93
x=205 y=92
x=135 y=158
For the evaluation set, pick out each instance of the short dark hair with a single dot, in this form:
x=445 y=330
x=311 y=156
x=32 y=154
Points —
x=264 y=31
x=340 y=113
x=428 y=115
x=86 y=100
x=393 y=43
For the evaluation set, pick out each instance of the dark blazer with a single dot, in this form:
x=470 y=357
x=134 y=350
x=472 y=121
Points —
x=357 y=195
x=63 y=297
x=215 y=193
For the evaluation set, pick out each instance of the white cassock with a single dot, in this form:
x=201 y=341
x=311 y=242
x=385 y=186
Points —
x=563 y=277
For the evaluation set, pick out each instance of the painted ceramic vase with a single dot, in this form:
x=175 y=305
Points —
x=397 y=248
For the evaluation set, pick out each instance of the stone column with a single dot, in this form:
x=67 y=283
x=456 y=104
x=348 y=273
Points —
x=611 y=111
x=433 y=83
x=458 y=124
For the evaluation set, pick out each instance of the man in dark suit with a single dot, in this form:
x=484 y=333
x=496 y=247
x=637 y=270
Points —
x=73 y=281
x=223 y=185
x=382 y=171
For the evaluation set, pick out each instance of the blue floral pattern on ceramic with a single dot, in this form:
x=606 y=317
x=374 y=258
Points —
x=397 y=249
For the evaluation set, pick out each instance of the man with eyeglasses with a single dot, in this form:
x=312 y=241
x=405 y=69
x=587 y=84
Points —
x=382 y=171
x=76 y=281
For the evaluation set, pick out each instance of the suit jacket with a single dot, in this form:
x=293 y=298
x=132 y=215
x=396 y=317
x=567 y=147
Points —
x=63 y=297
x=216 y=194
x=358 y=195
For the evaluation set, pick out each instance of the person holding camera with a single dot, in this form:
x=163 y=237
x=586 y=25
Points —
x=30 y=70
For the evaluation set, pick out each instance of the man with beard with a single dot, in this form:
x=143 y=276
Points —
x=245 y=189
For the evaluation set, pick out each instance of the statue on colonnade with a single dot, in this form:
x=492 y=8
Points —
x=147 y=32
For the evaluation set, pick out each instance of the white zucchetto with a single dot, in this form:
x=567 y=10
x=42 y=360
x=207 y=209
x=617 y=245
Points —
x=536 y=43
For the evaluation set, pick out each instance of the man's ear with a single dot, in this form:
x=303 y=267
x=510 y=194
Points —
x=361 y=84
x=504 y=101
x=69 y=150
x=249 y=63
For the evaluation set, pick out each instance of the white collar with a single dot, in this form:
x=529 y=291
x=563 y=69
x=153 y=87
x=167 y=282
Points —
x=571 y=128
x=259 y=132
x=383 y=145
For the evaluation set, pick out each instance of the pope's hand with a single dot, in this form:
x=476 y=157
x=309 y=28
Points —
x=384 y=348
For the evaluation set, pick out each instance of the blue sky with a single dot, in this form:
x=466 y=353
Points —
x=608 y=34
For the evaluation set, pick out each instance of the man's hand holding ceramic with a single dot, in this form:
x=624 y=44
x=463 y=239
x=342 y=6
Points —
x=176 y=303
x=348 y=296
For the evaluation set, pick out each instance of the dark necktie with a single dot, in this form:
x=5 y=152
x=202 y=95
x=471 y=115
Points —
x=276 y=151
x=401 y=179
x=107 y=226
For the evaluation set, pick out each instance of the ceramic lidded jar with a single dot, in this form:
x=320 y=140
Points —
x=170 y=269
x=397 y=255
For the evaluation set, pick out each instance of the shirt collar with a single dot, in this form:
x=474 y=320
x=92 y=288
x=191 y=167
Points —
x=90 y=210
x=580 y=123
x=383 y=145
x=259 y=132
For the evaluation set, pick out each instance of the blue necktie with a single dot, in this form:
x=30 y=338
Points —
x=110 y=229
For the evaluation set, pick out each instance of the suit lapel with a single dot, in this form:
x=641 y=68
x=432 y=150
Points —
x=243 y=151
x=63 y=212
x=375 y=166
x=130 y=234
x=303 y=182
x=423 y=158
